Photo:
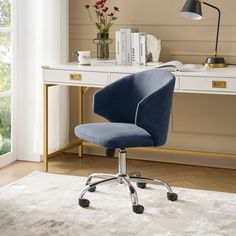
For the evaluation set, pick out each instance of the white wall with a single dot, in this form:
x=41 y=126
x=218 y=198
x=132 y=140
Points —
x=186 y=40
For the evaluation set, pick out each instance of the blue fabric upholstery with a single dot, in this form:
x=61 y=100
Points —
x=115 y=135
x=142 y=101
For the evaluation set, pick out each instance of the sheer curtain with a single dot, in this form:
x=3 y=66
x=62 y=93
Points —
x=43 y=40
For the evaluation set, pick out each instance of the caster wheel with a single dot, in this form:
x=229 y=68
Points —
x=172 y=196
x=83 y=202
x=141 y=185
x=138 y=209
x=93 y=189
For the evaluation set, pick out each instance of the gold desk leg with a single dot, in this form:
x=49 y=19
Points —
x=80 y=116
x=45 y=126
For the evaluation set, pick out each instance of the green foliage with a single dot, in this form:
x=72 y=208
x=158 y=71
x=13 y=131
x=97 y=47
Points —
x=5 y=13
x=5 y=72
x=5 y=117
x=6 y=146
x=5 y=124
x=5 y=66
x=5 y=78
x=1 y=142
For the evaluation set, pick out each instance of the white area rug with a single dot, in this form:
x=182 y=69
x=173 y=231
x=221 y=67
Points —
x=46 y=204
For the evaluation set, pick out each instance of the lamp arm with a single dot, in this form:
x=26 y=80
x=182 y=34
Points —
x=218 y=25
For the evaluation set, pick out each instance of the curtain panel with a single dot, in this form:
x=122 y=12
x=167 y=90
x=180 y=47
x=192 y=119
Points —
x=42 y=40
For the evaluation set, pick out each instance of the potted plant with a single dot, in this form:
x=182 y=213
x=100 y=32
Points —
x=103 y=20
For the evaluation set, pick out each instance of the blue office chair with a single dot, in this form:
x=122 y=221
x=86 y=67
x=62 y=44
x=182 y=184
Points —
x=138 y=109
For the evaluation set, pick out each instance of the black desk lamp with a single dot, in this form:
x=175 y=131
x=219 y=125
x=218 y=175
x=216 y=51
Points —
x=192 y=9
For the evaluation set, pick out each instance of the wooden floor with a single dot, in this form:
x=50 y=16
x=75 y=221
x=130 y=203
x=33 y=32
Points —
x=176 y=175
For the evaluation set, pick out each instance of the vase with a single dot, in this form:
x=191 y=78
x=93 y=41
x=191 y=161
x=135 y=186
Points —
x=102 y=42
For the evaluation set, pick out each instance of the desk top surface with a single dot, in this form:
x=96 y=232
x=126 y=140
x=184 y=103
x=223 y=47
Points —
x=229 y=71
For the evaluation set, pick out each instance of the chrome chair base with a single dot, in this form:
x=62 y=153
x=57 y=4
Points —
x=122 y=178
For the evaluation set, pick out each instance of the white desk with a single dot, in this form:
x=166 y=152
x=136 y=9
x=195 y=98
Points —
x=211 y=81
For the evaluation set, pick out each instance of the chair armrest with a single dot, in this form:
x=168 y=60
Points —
x=157 y=123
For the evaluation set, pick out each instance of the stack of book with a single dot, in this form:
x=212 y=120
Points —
x=131 y=47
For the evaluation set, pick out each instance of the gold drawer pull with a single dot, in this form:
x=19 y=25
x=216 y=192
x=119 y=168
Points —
x=45 y=67
x=219 y=84
x=75 y=77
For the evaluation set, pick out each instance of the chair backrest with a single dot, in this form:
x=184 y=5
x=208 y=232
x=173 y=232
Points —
x=143 y=98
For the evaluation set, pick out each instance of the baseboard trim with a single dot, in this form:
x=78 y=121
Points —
x=5 y=161
x=188 y=158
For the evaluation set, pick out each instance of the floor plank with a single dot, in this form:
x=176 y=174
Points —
x=186 y=176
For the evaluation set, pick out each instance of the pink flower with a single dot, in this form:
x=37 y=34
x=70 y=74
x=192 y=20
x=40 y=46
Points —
x=105 y=9
x=99 y=2
x=104 y=16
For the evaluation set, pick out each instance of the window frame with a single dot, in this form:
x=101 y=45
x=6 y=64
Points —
x=7 y=158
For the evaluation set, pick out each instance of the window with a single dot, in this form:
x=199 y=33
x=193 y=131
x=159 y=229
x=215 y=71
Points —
x=6 y=81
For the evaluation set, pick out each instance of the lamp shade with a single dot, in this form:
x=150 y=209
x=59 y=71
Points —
x=192 y=9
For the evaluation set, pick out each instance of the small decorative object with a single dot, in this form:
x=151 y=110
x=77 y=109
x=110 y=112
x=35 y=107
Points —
x=82 y=57
x=104 y=20
x=153 y=49
x=192 y=9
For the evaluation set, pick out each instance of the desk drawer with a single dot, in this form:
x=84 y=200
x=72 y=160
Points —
x=209 y=84
x=76 y=77
x=117 y=76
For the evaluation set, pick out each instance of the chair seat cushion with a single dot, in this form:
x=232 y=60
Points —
x=114 y=135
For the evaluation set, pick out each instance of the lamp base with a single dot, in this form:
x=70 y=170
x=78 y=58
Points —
x=215 y=62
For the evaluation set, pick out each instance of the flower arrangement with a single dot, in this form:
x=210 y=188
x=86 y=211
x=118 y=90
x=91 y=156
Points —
x=104 y=16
